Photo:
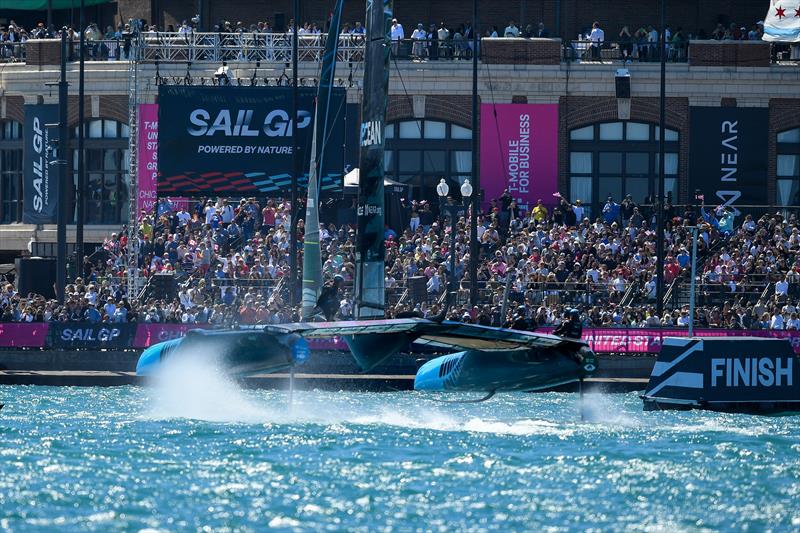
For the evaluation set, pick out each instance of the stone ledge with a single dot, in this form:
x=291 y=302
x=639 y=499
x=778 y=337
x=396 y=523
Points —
x=729 y=54
x=519 y=51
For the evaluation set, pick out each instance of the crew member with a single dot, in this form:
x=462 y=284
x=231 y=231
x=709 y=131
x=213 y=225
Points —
x=328 y=301
x=571 y=326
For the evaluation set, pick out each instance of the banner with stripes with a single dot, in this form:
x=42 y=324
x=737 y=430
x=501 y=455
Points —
x=238 y=140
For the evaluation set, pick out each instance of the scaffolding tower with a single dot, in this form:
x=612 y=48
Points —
x=132 y=258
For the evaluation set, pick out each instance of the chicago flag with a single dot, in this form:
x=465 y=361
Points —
x=782 y=22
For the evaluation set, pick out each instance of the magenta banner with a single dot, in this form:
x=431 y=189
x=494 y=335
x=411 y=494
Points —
x=519 y=152
x=623 y=340
x=26 y=335
x=150 y=334
x=147 y=172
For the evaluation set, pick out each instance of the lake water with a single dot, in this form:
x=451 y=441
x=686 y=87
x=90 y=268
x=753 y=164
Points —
x=201 y=453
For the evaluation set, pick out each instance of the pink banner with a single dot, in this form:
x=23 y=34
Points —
x=519 y=152
x=147 y=162
x=149 y=334
x=624 y=340
x=15 y=335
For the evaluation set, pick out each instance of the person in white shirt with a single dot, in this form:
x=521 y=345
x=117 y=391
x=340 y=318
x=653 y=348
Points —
x=183 y=217
x=683 y=320
x=397 y=36
x=596 y=37
x=776 y=322
x=419 y=36
x=578 y=209
x=209 y=212
x=511 y=30
x=782 y=287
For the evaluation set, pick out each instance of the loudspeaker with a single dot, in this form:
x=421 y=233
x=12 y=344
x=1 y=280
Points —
x=418 y=287
x=623 y=83
x=279 y=25
x=164 y=286
x=37 y=275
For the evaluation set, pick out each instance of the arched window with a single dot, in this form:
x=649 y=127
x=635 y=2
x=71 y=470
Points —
x=788 y=170
x=106 y=161
x=620 y=158
x=10 y=171
x=421 y=152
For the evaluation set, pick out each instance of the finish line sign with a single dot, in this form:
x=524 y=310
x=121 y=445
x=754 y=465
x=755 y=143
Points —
x=240 y=139
x=519 y=152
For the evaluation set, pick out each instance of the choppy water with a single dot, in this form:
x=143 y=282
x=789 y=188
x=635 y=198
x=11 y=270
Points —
x=211 y=456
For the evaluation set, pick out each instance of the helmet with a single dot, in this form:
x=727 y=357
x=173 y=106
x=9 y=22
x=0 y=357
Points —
x=574 y=313
x=338 y=279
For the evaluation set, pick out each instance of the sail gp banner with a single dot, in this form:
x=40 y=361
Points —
x=40 y=185
x=728 y=155
x=239 y=139
x=519 y=152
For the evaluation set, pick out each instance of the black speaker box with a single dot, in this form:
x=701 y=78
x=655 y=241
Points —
x=37 y=275
x=417 y=285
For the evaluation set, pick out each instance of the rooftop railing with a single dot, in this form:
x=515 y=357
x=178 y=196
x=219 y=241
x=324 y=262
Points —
x=173 y=47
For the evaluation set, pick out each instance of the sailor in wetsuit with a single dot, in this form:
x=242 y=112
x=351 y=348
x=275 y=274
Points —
x=328 y=301
x=571 y=326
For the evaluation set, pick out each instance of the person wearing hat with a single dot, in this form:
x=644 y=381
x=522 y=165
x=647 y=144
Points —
x=418 y=38
x=397 y=35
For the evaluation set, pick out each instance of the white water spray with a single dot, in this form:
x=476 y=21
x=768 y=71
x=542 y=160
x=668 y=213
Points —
x=196 y=387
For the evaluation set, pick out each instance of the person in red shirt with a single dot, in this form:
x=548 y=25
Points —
x=671 y=269
x=247 y=315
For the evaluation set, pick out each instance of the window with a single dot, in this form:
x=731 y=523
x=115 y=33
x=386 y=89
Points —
x=411 y=129
x=435 y=130
x=788 y=168
x=618 y=159
x=611 y=131
x=421 y=152
x=582 y=134
x=637 y=132
x=106 y=160
x=10 y=172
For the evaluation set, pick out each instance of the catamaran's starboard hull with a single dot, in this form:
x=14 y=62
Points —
x=503 y=371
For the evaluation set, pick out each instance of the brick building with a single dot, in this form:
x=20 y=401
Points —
x=607 y=143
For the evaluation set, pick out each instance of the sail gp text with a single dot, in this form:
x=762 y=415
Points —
x=519 y=162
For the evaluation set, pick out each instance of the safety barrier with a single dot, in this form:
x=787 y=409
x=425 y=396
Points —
x=84 y=335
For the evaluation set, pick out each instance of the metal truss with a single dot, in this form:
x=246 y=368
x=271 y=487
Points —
x=266 y=47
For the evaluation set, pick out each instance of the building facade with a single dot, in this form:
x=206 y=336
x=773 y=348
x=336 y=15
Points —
x=607 y=142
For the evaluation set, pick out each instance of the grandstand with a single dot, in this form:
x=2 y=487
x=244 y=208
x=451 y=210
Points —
x=580 y=250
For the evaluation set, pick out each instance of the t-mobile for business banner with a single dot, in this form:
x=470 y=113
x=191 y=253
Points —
x=147 y=163
x=40 y=185
x=519 y=152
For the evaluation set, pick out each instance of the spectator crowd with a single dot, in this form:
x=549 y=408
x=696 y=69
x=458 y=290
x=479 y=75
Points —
x=230 y=262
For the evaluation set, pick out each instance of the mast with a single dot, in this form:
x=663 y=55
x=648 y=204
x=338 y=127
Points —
x=312 y=262
x=370 y=250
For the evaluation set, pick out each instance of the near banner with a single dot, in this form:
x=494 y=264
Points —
x=728 y=155
x=239 y=139
x=519 y=152
x=41 y=181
